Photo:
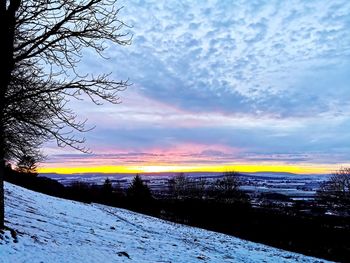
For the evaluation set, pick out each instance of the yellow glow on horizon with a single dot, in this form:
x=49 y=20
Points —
x=156 y=168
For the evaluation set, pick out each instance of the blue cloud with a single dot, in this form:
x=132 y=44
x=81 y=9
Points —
x=235 y=54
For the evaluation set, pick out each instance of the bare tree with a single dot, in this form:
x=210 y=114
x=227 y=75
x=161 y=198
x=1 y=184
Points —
x=227 y=187
x=228 y=183
x=28 y=165
x=336 y=191
x=179 y=185
x=39 y=56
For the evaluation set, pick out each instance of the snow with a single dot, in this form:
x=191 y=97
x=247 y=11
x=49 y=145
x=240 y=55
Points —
x=51 y=229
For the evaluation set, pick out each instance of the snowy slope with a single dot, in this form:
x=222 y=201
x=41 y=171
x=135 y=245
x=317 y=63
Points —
x=58 y=230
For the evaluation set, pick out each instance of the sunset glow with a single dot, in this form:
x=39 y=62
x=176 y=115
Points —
x=248 y=168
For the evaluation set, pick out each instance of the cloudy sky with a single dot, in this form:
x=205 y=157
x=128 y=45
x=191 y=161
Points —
x=260 y=83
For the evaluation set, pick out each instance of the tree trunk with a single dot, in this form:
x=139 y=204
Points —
x=2 y=154
x=6 y=54
x=2 y=205
x=3 y=86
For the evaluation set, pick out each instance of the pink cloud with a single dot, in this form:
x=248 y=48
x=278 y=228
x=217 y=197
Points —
x=179 y=154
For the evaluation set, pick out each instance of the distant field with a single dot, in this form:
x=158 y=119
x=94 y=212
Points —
x=295 y=186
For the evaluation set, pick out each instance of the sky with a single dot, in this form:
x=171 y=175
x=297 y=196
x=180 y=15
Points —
x=245 y=85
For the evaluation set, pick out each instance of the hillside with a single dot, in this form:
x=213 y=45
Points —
x=57 y=230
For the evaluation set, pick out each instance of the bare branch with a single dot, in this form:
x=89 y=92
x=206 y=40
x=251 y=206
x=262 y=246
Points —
x=36 y=96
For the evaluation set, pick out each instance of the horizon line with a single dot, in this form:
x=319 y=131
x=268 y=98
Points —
x=164 y=168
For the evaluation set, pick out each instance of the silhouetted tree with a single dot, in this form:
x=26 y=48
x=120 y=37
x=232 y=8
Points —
x=228 y=184
x=227 y=188
x=28 y=165
x=179 y=185
x=138 y=191
x=335 y=192
x=107 y=188
x=41 y=47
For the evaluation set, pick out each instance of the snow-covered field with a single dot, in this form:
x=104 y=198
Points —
x=50 y=229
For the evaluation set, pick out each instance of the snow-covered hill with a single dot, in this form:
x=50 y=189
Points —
x=57 y=230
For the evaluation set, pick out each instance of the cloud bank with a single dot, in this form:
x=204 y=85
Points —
x=264 y=80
